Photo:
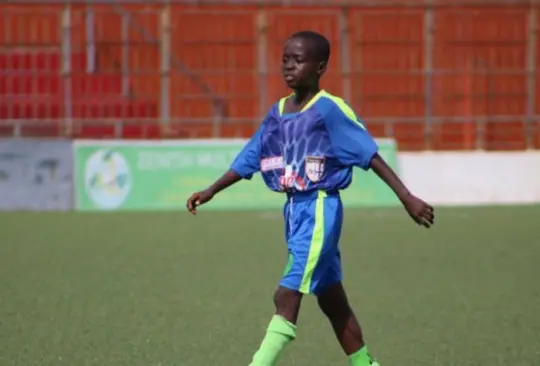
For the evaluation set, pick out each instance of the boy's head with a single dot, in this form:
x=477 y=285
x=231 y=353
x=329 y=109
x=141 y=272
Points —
x=305 y=58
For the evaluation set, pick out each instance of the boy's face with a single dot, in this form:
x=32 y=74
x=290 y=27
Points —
x=300 y=66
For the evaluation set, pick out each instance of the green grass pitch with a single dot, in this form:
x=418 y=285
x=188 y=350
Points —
x=159 y=289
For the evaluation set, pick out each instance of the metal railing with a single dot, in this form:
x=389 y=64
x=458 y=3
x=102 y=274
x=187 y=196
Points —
x=420 y=71
x=168 y=60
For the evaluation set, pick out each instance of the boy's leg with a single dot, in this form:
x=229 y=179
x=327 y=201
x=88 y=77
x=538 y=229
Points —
x=282 y=328
x=327 y=286
x=287 y=299
x=335 y=305
x=306 y=236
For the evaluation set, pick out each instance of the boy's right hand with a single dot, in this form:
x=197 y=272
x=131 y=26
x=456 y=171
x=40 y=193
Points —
x=198 y=199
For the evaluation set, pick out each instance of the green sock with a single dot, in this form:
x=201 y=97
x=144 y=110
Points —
x=362 y=358
x=279 y=333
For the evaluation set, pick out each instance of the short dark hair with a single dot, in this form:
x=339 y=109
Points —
x=320 y=43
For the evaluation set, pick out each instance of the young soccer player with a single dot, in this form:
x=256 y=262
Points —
x=306 y=147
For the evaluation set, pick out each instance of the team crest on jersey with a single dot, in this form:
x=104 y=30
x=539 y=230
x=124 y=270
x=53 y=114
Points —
x=315 y=168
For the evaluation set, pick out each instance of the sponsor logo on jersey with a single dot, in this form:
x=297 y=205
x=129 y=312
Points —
x=273 y=163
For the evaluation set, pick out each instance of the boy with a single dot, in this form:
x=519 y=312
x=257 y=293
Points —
x=306 y=148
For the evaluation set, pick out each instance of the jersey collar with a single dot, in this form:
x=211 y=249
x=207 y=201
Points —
x=312 y=101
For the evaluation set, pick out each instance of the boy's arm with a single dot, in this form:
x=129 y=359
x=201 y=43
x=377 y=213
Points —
x=387 y=174
x=228 y=179
x=199 y=198
x=354 y=146
x=244 y=166
x=420 y=211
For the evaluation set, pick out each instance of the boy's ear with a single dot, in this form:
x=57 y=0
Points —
x=322 y=67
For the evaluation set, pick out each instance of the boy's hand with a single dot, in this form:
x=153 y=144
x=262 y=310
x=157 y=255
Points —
x=421 y=212
x=198 y=199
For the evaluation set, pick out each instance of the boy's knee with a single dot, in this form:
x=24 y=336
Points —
x=331 y=308
x=287 y=303
x=333 y=303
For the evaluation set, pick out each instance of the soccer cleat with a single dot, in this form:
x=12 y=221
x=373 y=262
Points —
x=372 y=361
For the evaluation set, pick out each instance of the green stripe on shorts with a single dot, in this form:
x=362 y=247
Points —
x=317 y=242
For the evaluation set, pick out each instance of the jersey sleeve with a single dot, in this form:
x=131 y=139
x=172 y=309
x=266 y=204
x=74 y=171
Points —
x=351 y=142
x=248 y=161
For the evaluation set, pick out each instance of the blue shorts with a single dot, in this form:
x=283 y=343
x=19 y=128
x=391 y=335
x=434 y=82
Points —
x=313 y=228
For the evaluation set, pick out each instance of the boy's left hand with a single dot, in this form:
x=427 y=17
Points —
x=421 y=212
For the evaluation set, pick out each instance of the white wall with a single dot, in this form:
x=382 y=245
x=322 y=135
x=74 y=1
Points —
x=473 y=177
